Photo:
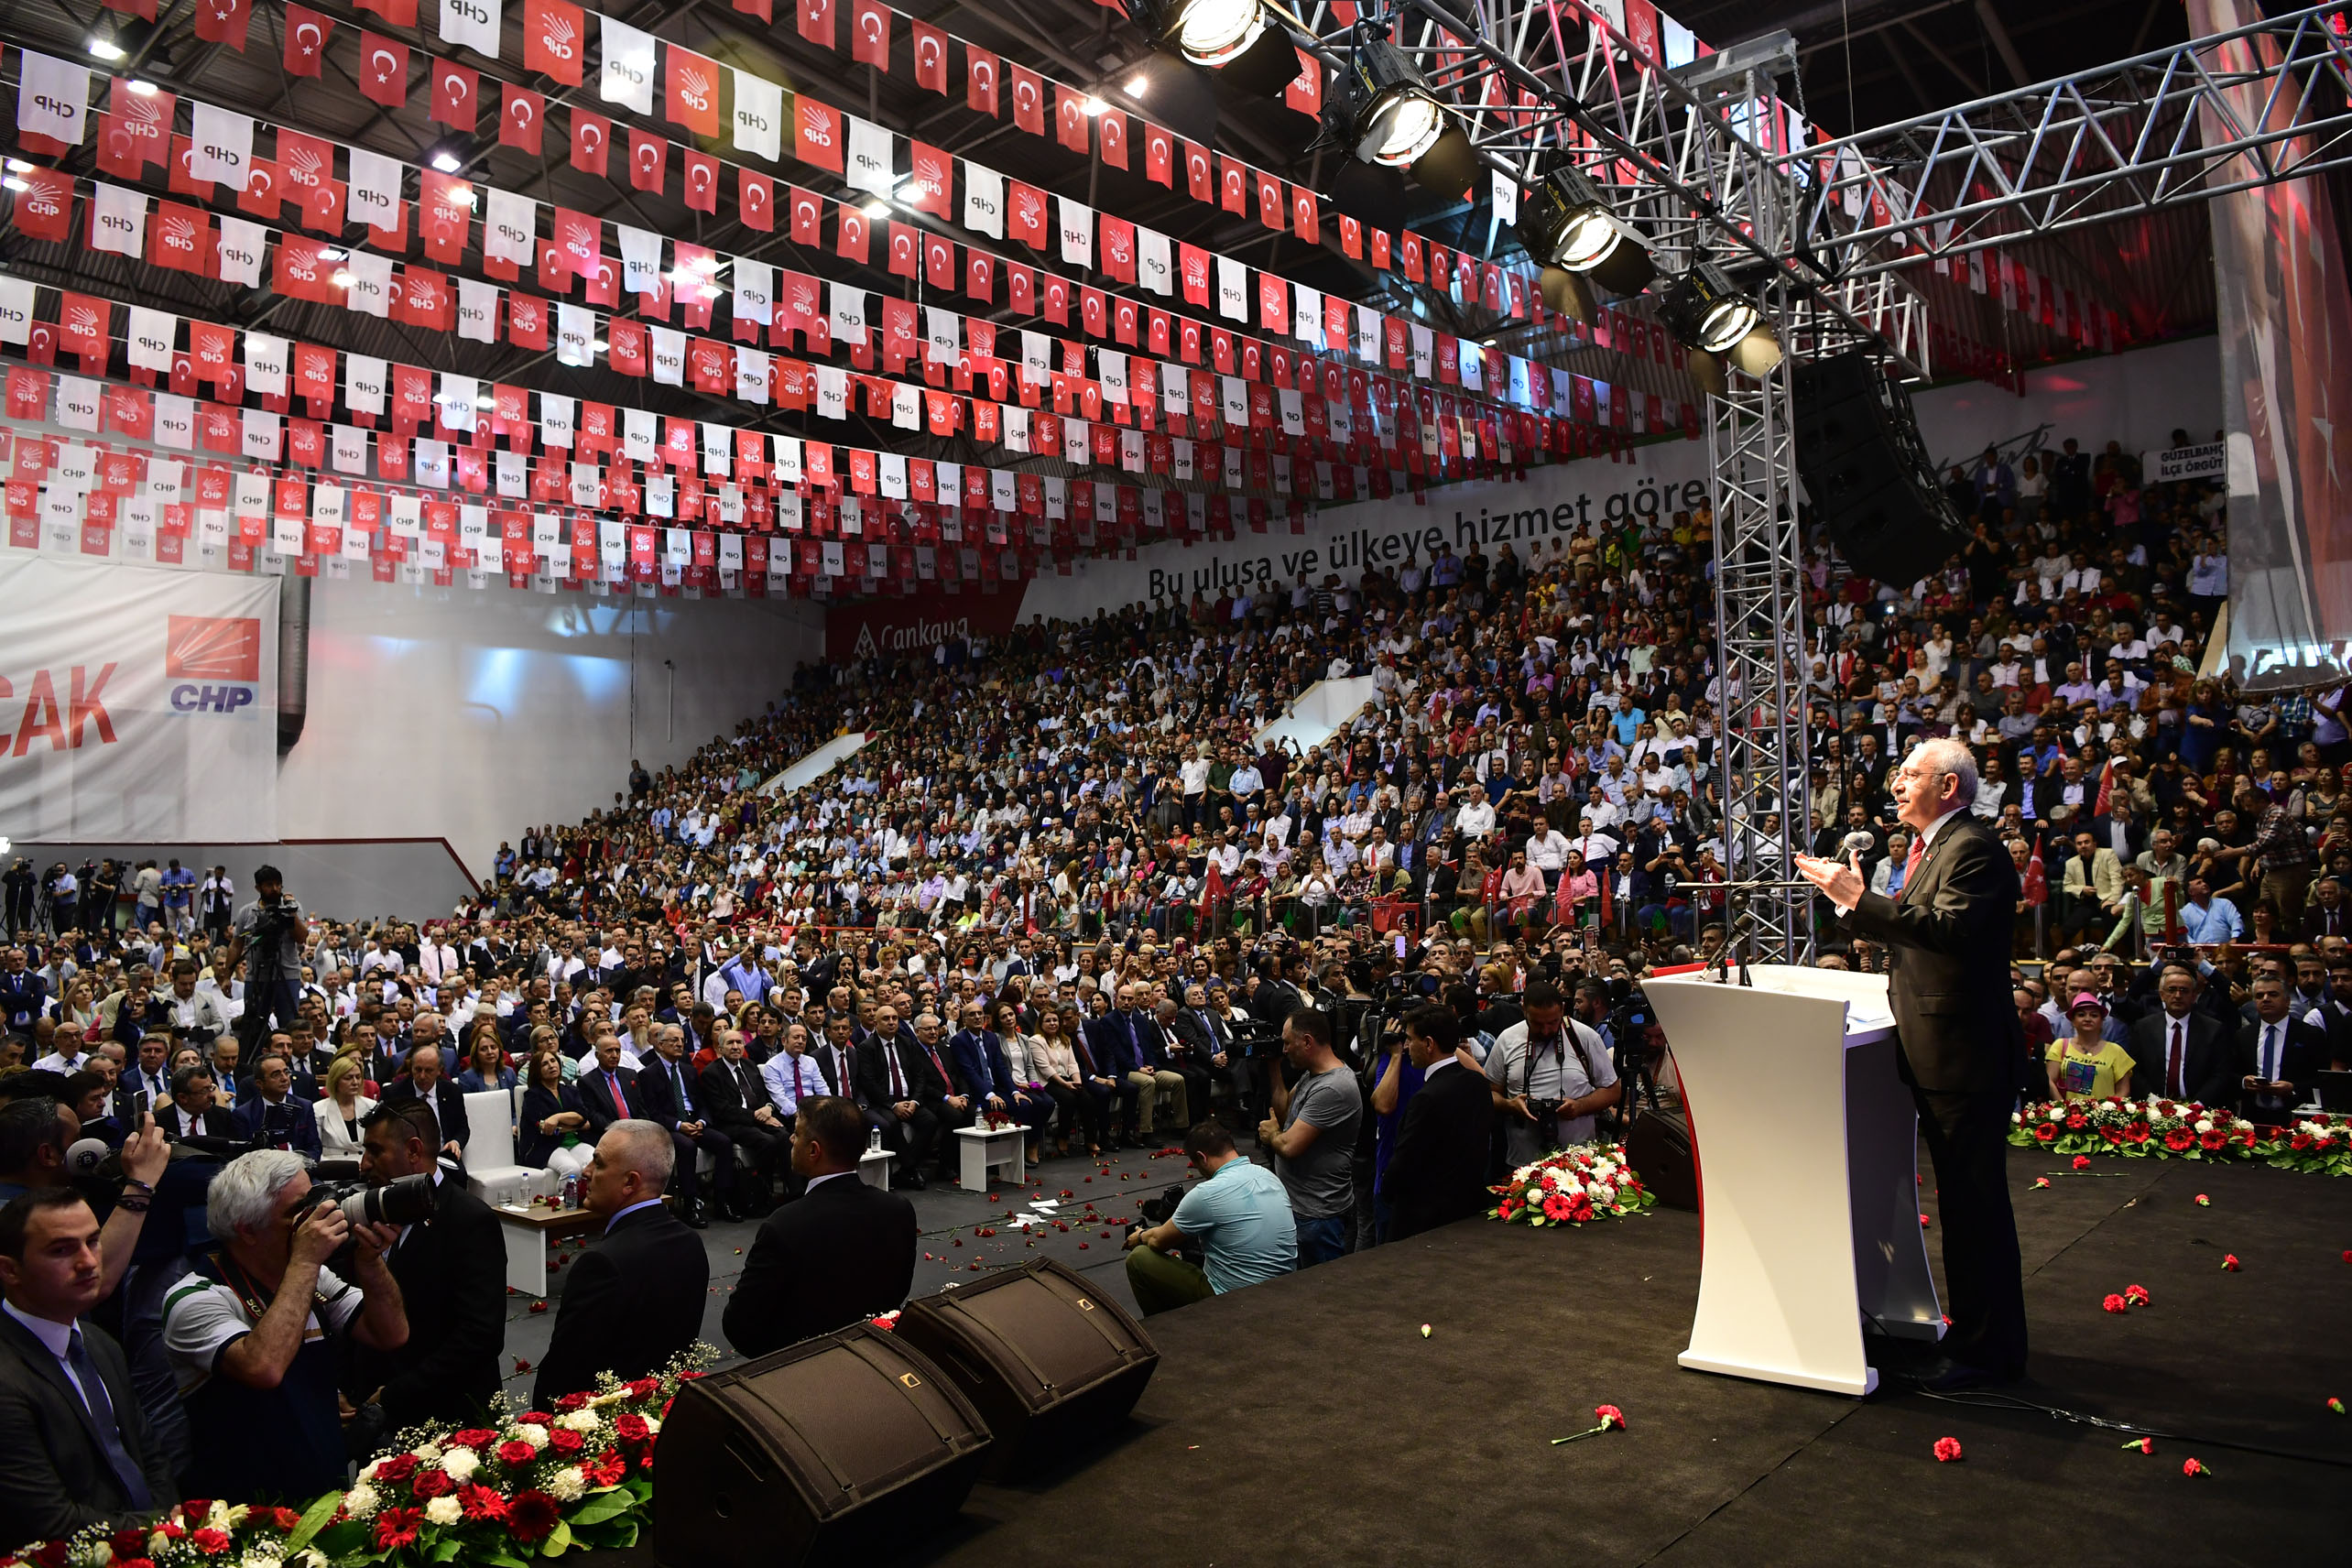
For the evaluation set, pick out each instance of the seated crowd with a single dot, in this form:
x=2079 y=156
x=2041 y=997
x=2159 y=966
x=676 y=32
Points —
x=1075 y=897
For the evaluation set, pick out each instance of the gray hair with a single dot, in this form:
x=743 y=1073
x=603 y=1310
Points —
x=1945 y=757
x=243 y=1196
x=644 y=1147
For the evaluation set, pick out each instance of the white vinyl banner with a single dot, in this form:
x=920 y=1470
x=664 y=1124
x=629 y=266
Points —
x=140 y=703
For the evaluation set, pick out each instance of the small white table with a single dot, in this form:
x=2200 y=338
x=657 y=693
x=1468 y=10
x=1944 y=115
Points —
x=528 y=1232
x=984 y=1150
x=874 y=1168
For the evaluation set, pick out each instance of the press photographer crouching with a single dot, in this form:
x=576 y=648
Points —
x=450 y=1267
x=1238 y=1213
x=252 y=1332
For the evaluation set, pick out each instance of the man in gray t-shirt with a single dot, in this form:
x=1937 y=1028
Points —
x=1312 y=1135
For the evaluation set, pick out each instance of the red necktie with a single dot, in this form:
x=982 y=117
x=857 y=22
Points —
x=1911 y=862
x=2172 y=1060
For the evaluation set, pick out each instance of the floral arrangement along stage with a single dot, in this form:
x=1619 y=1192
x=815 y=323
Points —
x=2157 y=1129
x=537 y=1483
x=1569 y=1186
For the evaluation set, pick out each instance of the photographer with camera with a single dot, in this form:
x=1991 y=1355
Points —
x=270 y=930
x=1240 y=1213
x=1548 y=1076
x=450 y=1267
x=254 y=1331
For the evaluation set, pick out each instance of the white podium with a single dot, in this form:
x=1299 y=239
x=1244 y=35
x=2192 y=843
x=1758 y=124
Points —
x=1806 y=1142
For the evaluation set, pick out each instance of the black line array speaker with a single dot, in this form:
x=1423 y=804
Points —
x=836 y=1450
x=1872 y=483
x=1048 y=1360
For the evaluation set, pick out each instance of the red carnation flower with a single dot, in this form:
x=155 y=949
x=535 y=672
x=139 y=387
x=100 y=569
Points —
x=516 y=1452
x=210 y=1542
x=2115 y=1303
x=399 y=1467
x=397 y=1527
x=2046 y=1133
x=1947 y=1449
x=2194 y=1467
x=2082 y=1162
x=2230 y=1262
x=532 y=1515
x=473 y=1437
x=172 y=1529
x=631 y=1428
x=431 y=1484
x=482 y=1503
x=1610 y=1415
x=563 y=1439
x=607 y=1469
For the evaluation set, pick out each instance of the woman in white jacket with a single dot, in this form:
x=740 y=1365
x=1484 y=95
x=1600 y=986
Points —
x=342 y=1110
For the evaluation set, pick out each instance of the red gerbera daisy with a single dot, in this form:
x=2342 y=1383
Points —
x=532 y=1515
x=396 y=1527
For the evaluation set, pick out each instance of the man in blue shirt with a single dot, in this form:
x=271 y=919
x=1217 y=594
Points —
x=1240 y=1212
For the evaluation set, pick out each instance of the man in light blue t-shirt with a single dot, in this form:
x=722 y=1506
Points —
x=1240 y=1212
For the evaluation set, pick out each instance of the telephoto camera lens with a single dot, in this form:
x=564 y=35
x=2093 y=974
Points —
x=407 y=1199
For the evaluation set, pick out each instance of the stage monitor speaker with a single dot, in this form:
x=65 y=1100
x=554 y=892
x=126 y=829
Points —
x=1658 y=1148
x=1046 y=1358
x=836 y=1450
x=1872 y=484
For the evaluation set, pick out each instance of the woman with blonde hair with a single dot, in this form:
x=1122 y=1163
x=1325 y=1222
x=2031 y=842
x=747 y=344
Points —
x=343 y=1108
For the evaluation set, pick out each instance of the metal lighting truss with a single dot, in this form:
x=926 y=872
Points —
x=2253 y=106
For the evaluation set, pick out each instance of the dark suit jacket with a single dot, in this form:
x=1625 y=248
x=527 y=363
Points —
x=217 y=1122
x=1437 y=1172
x=979 y=1057
x=2209 y=1073
x=57 y=1479
x=1205 y=1041
x=661 y=1099
x=448 y=1107
x=452 y=1275
x=630 y=1303
x=297 y=1128
x=2306 y=1052
x=596 y=1101
x=1109 y=1043
x=1948 y=935
x=720 y=1093
x=2318 y=922
x=845 y=1251
x=849 y=1083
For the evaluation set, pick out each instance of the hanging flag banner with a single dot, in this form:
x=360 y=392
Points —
x=128 y=681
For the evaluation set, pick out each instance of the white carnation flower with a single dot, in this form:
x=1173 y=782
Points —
x=443 y=1511
x=361 y=1501
x=427 y=1453
x=532 y=1433
x=567 y=1484
x=579 y=1421
x=459 y=1463
x=2205 y=1125
x=259 y=1559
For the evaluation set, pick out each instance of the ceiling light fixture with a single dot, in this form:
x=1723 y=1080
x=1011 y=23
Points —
x=1385 y=111
x=1241 y=41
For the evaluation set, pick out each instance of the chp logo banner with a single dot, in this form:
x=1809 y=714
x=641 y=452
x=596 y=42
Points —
x=136 y=704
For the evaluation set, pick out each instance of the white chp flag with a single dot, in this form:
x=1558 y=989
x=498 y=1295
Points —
x=759 y=116
x=473 y=23
x=984 y=201
x=220 y=146
x=52 y=98
x=1077 y=233
x=510 y=227
x=629 y=67
x=871 y=158
x=117 y=220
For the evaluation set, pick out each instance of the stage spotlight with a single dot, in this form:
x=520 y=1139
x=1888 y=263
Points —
x=1706 y=372
x=1707 y=311
x=1566 y=222
x=1238 y=39
x=1758 y=352
x=1384 y=112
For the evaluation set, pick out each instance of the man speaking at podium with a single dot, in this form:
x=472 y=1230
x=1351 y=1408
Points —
x=1947 y=934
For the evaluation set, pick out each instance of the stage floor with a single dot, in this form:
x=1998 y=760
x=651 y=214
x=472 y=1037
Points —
x=1307 y=1422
